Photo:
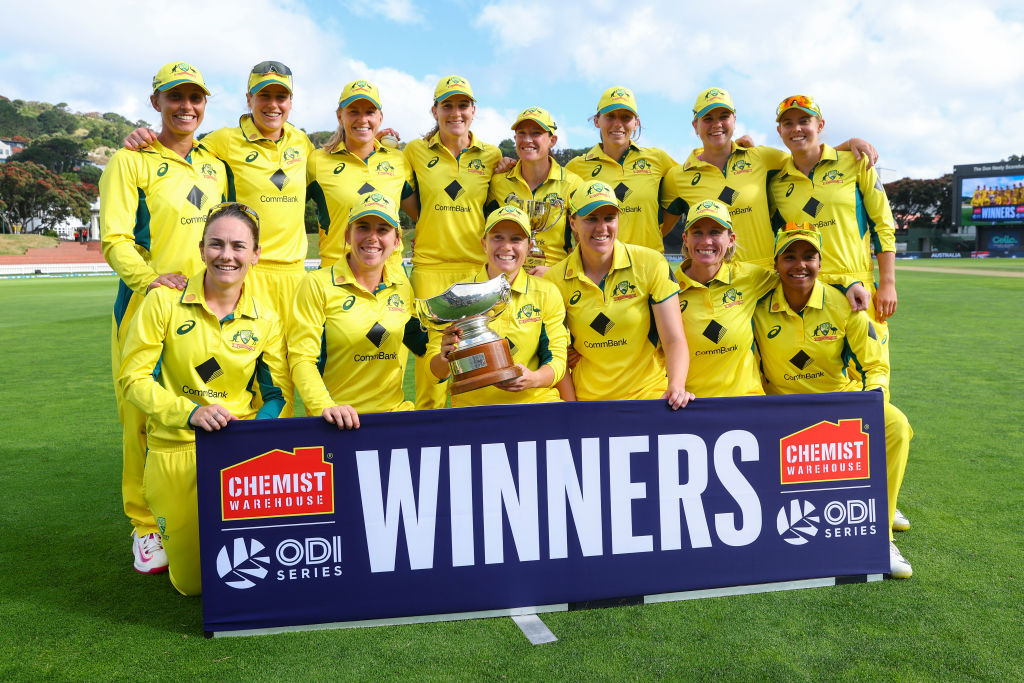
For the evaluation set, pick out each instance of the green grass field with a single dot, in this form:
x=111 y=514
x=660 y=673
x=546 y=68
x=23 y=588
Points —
x=71 y=608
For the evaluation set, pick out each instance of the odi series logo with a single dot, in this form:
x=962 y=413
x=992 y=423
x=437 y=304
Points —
x=278 y=484
x=827 y=451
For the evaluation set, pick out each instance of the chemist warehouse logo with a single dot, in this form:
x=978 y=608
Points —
x=826 y=451
x=278 y=484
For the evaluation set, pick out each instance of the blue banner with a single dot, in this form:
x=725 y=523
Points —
x=499 y=507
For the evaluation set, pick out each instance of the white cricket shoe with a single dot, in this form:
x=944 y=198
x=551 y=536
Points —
x=899 y=568
x=150 y=556
x=900 y=522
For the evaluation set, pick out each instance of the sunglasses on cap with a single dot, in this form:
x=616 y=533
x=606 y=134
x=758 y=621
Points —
x=229 y=206
x=802 y=101
x=271 y=67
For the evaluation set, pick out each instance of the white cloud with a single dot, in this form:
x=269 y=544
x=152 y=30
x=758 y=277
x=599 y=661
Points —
x=907 y=75
x=400 y=11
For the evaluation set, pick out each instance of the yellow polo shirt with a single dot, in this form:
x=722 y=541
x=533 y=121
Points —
x=534 y=324
x=845 y=200
x=178 y=356
x=717 y=321
x=336 y=179
x=636 y=180
x=809 y=351
x=451 y=191
x=560 y=184
x=345 y=344
x=153 y=206
x=270 y=177
x=742 y=187
x=612 y=324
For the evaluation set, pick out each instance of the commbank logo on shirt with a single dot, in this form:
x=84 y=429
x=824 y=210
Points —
x=801 y=360
x=453 y=190
x=602 y=324
x=378 y=334
x=196 y=197
x=714 y=331
x=209 y=370
x=727 y=195
x=813 y=207
x=279 y=178
x=622 y=191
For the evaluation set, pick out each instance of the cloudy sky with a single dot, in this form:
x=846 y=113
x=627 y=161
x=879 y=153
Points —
x=932 y=83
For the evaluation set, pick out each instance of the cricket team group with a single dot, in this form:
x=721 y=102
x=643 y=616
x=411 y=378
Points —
x=216 y=318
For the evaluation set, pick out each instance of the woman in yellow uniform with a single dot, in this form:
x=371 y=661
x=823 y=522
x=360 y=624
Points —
x=353 y=163
x=622 y=309
x=350 y=321
x=533 y=321
x=266 y=159
x=189 y=361
x=538 y=177
x=152 y=210
x=844 y=199
x=808 y=337
x=452 y=171
x=732 y=173
x=634 y=173
x=717 y=298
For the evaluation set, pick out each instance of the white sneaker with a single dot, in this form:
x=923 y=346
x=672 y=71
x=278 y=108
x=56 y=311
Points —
x=150 y=556
x=900 y=522
x=899 y=568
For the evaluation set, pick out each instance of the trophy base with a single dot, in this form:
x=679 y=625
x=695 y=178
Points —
x=534 y=261
x=481 y=366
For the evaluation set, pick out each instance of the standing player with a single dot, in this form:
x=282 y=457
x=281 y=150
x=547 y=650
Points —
x=808 y=335
x=845 y=200
x=189 y=361
x=452 y=171
x=266 y=158
x=353 y=321
x=731 y=174
x=634 y=173
x=537 y=176
x=153 y=207
x=533 y=321
x=622 y=309
x=353 y=163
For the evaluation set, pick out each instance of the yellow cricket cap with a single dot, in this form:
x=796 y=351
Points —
x=175 y=73
x=793 y=232
x=508 y=213
x=590 y=196
x=375 y=204
x=269 y=73
x=710 y=99
x=452 y=85
x=708 y=208
x=359 y=90
x=539 y=116
x=617 y=97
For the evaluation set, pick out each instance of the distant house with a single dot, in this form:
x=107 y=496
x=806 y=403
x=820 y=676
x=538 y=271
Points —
x=9 y=147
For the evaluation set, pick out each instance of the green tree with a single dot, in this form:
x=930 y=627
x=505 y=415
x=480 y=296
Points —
x=563 y=156
x=28 y=190
x=59 y=154
x=508 y=148
x=921 y=203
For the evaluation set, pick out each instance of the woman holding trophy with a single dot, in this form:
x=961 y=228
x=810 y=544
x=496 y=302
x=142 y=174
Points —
x=350 y=321
x=635 y=173
x=533 y=320
x=540 y=186
x=622 y=309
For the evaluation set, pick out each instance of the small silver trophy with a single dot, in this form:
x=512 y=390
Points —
x=544 y=214
x=481 y=358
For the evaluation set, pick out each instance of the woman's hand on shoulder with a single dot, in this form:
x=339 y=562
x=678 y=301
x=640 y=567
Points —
x=504 y=164
x=345 y=417
x=172 y=280
x=211 y=417
x=139 y=138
